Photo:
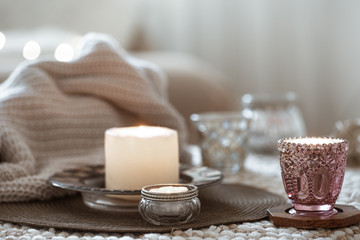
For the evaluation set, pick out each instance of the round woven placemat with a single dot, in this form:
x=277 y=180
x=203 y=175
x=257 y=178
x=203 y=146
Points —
x=221 y=204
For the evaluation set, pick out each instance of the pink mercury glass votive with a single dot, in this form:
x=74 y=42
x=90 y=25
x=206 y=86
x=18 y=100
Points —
x=312 y=170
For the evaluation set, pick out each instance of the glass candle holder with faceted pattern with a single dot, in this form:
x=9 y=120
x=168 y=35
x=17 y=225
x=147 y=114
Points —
x=313 y=170
x=223 y=139
x=169 y=204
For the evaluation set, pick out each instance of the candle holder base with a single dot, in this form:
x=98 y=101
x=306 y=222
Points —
x=89 y=180
x=328 y=213
x=286 y=216
x=109 y=203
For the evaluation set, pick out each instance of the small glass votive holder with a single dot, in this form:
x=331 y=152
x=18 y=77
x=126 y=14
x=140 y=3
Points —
x=312 y=170
x=275 y=116
x=223 y=139
x=169 y=204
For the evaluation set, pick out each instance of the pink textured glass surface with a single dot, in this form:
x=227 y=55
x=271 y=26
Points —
x=313 y=173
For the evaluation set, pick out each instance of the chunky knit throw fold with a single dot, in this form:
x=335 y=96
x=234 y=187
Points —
x=53 y=114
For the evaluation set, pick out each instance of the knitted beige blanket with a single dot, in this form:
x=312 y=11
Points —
x=53 y=114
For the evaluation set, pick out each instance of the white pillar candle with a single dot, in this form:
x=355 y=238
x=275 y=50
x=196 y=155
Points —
x=139 y=156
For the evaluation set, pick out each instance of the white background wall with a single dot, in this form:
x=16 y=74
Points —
x=117 y=17
x=311 y=47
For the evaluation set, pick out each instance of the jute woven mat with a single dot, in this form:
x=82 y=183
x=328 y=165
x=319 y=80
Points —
x=221 y=204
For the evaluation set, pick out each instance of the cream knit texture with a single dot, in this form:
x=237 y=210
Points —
x=53 y=114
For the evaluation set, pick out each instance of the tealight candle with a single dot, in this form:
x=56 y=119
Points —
x=313 y=140
x=169 y=189
x=139 y=156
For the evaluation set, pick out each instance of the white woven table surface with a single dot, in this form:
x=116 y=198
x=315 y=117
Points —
x=263 y=173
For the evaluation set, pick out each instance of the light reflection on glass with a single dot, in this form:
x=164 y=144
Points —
x=64 y=52
x=31 y=50
x=2 y=40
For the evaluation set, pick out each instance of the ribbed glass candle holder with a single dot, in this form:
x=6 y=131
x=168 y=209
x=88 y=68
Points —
x=169 y=207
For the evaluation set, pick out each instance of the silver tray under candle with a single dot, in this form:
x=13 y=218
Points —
x=89 y=180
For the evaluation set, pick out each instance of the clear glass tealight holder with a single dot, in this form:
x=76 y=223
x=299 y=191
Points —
x=223 y=139
x=169 y=204
x=312 y=170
